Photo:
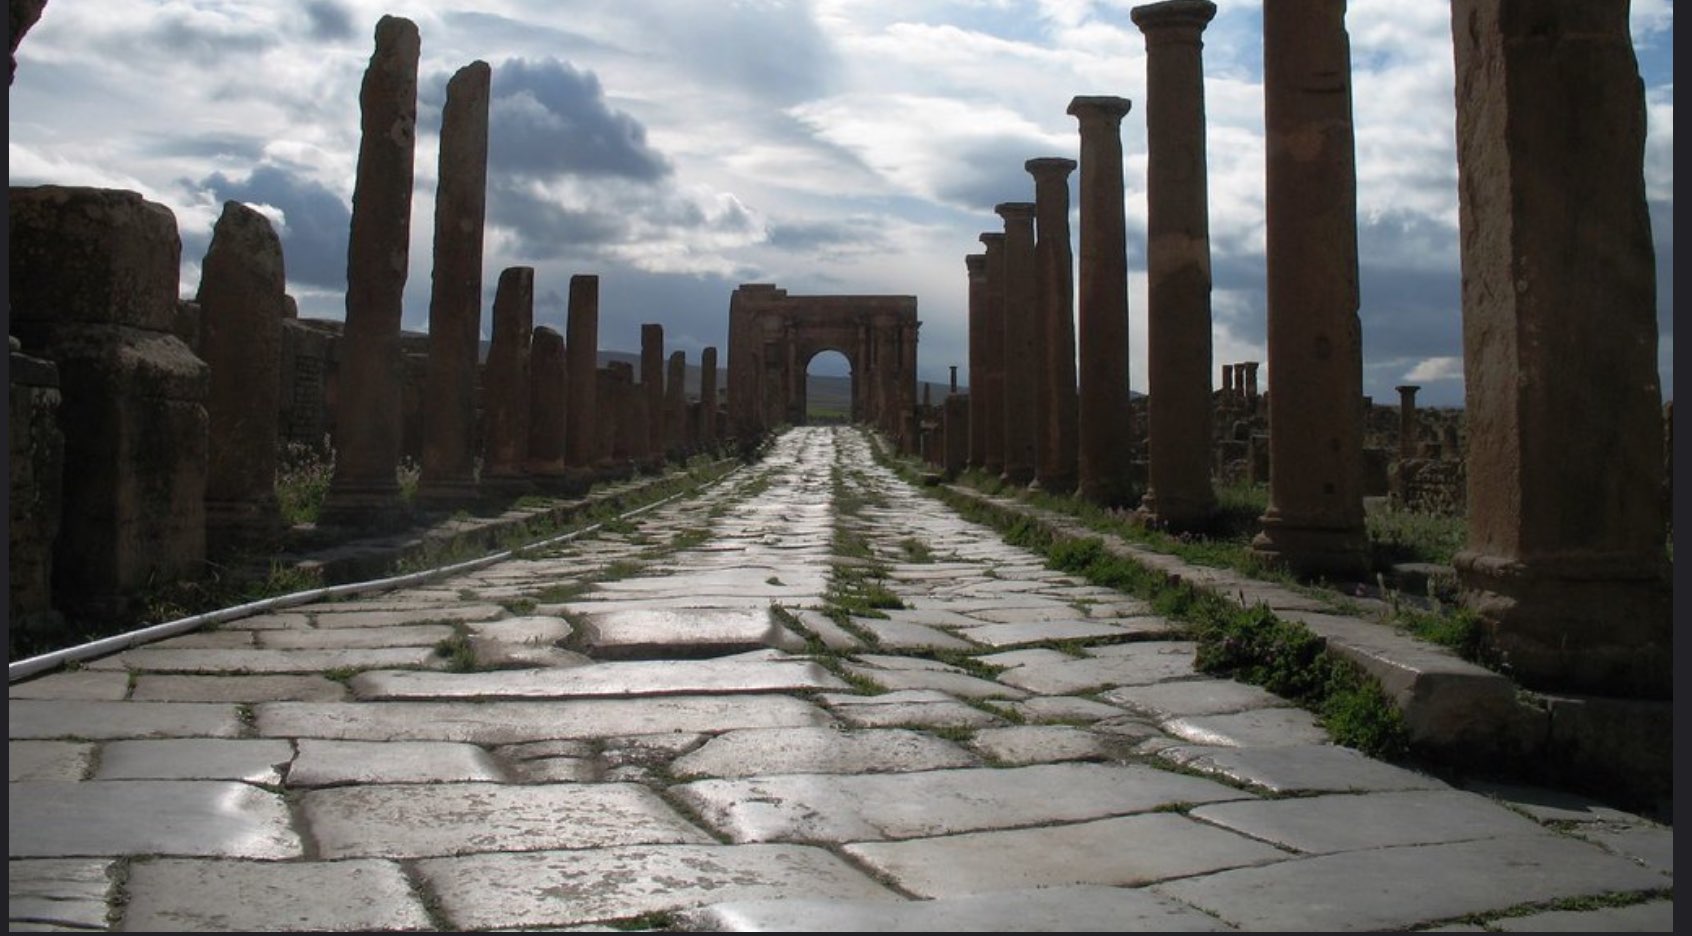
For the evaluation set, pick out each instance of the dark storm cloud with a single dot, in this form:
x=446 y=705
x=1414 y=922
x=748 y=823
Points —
x=330 y=21
x=317 y=221
x=179 y=37
x=547 y=231
x=837 y=237
x=990 y=172
x=547 y=119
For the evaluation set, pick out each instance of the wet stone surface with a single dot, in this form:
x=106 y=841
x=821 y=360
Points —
x=807 y=696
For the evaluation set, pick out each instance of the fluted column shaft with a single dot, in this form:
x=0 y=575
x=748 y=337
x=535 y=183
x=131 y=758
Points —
x=1023 y=334
x=1055 y=471
x=992 y=380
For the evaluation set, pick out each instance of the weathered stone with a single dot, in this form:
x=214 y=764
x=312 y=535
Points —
x=922 y=708
x=171 y=688
x=1105 y=449
x=708 y=397
x=1314 y=524
x=955 y=683
x=194 y=759
x=148 y=817
x=1192 y=697
x=1656 y=916
x=1055 y=467
x=68 y=893
x=581 y=432
x=1301 y=768
x=1151 y=661
x=1077 y=909
x=907 y=635
x=617 y=679
x=185 y=895
x=1011 y=635
x=73 y=684
x=688 y=632
x=356 y=638
x=27 y=718
x=652 y=386
x=675 y=405
x=91 y=257
x=547 y=401
x=332 y=763
x=955 y=435
x=990 y=383
x=760 y=752
x=1277 y=727
x=976 y=266
x=1024 y=341
x=48 y=760
x=265 y=661
x=1372 y=820
x=1018 y=745
x=505 y=383
x=37 y=484
x=1562 y=407
x=365 y=490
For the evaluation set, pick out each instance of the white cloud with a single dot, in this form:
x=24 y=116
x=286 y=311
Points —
x=1436 y=369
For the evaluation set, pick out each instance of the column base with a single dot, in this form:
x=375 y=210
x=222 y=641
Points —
x=242 y=525
x=370 y=506
x=1306 y=551
x=1106 y=492
x=446 y=494
x=1053 y=484
x=1175 y=515
x=510 y=486
x=1600 y=625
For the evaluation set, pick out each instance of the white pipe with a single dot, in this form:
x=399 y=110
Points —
x=25 y=668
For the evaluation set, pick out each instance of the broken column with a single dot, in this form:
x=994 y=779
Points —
x=93 y=283
x=505 y=384
x=1179 y=495
x=675 y=406
x=1565 y=556
x=241 y=302
x=1105 y=444
x=1227 y=381
x=1023 y=334
x=1407 y=422
x=547 y=396
x=1250 y=382
x=652 y=386
x=1055 y=471
x=1314 y=524
x=455 y=297
x=365 y=490
x=582 y=408
x=976 y=267
x=708 y=397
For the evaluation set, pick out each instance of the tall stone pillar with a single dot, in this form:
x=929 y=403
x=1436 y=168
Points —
x=505 y=384
x=1227 y=381
x=955 y=426
x=365 y=489
x=708 y=397
x=581 y=438
x=954 y=379
x=626 y=438
x=1250 y=382
x=1179 y=494
x=652 y=386
x=1106 y=444
x=1565 y=557
x=1023 y=333
x=37 y=486
x=546 y=407
x=1407 y=421
x=1314 y=524
x=1053 y=261
x=675 y=406
x=455 y=298
x=992 y=378
x=241 y=303
x=976 y=267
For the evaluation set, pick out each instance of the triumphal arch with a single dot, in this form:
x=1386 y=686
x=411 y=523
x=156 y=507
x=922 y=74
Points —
x=773 y=336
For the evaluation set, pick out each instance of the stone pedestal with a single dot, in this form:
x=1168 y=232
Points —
x=546 y=407
x=1056 y=469
x=1105 y=448
x=582 y=409
x=241 y=303
x=1565 y=557
x=1314 y=524
x=1179 y=495
x=505 y=385
x=708 y=397
x=1023 y=342
x=455 y=298
x=991 y=380
x=652 y=386
x=37 y=466
x=365 y=490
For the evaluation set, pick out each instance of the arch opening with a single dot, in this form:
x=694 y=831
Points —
x=829 y=387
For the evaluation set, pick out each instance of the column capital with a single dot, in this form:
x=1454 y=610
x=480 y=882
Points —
x=1173 y=14
x=976 y=264
x=1408 y=389
x=1050 y=167
x=1099 y=108
x=1015 y=211
x=991 y=240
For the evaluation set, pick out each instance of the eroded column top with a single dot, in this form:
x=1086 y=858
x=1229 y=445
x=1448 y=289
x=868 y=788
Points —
x=1099 y=107
x=1050 y=167
x=991 y=239
x=976 y=264
x=1191 y=15
x=1015 y=211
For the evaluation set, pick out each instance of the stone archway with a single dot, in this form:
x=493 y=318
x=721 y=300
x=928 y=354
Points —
x=773 y=336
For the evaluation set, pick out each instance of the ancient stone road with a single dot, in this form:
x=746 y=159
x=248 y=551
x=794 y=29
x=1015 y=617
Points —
x=661 y=724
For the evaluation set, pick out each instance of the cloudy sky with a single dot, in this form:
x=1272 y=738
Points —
x=678 y=148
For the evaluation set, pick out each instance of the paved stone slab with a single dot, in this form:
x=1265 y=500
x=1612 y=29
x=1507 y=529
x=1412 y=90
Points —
x=266 y=661
x=258 y=622
x=1192 y=697
x=1007 y=659
x=568 y=888
x=1017 y=635
x=599 y=680
x=1061 y=612
x=903 y=635
x=88 y=685
x=954 y=684
x=936 y=802
x=419 y=821
x=1552 y=805
x=1656 y=916
x=246 y=896
x=194 y=759
x=923 y=708
x=151 y=687
x=1080 y=909
x=1137 y=664
x=28 y=719
x=523 y=641
x=1346 y=822
x=1069 y=709
x=48 y=760
x=1651 y=844
x=1395 y=888
x=832 y=635
x=684 y=632
x=354 y=614
x=932 y=617
x=148 y=817
x=511 y=722
x=1018 y=745
x=323 y=763
x=1277 y=727
x=356 y=638
x=1131 y=850
x=762 y=752
x=212 y=640
x=1302 y=768
x=62 y=892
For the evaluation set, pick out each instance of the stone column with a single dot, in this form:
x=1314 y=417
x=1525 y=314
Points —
x=675 y=406
x=1227 y=381
x=581 y=437
x=1250 y=382
x=652 y=386
x=455 y=298
x=992 y=378
x=505 y=384
x=546 y=407
x=624 y=431
x=1314 y=524
x=976 y=267
x=954 y=379
x=1565 y=557
x=1056 y=469
x=955 y=433
x=365 y=491
x=1106 y=445
x=1022 y=345
x=708 y=397
x=1407 y=421
x=241 y=302
x=37 y=483
x=1179 y=495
